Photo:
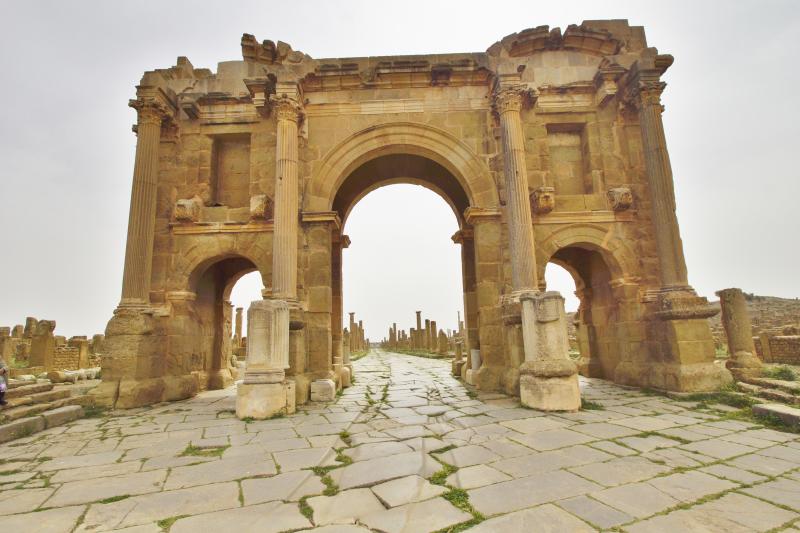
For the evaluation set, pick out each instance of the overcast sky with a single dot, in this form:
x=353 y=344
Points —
x=66 y=149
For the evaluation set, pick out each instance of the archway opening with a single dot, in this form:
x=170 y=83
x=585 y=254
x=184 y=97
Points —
x=403 y=257
x=245 y=291
x=558 y=278
x=214 y=357
x=594 y=323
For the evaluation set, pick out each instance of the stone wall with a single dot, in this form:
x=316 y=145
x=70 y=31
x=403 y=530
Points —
x=783 y=349
x=34 y=348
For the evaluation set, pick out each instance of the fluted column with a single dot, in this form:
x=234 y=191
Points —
x=508 y=105
x=142 y=216
x=662 y=194
x=284 y=237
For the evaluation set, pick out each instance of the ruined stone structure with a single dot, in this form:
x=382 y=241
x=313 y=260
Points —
x=549 y=146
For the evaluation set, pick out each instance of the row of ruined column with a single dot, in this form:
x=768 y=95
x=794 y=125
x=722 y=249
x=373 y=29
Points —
x=428 y=338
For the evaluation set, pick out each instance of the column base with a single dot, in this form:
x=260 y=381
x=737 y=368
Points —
x=219 y=379
x=590 y=367
x=265 y=400
x=744 y=365
x=455 y=367
x=698 y=377
x=345 y=377
x=555 y=393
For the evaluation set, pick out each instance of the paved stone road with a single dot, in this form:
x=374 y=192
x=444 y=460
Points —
x=405 y=449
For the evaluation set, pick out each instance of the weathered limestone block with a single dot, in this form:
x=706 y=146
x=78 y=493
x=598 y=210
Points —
x=323 y=390
x=261 y=207
x=550 y=382
x=18 y=331
x=620 y=198
x=543 y=200
x=43 y=344
x=188 y=210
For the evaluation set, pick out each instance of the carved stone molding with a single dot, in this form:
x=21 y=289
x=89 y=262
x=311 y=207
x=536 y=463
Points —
x=621 y=198
x=149 y=111
x=543 y=200
x=286 y=108
x=509 y=98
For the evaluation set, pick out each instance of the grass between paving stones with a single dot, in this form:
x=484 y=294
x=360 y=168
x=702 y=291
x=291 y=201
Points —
x=306 y=509
x=782 y=372
x=457 y=497
x=167 y=523
x=204 y=452
x=94 y=411
x=588 y=405
x=345 y=436
x=113 y=499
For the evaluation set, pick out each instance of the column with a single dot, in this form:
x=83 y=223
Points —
x=238 y=328
x=743 y=360
x=142 y=216
x=659 y=178
x=416 y=338
x=553 y=378
x=284 y=238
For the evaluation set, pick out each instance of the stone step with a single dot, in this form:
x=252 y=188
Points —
x=26 y=426
x=779 y=396
x=49 y=396
x=16 y=402
x=789 y=415
x=787 y=386
x=22 y=411
x=20 y=383
x=27 y=390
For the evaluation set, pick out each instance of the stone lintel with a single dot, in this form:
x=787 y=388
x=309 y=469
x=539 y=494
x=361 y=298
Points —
x=476 y=215
x=322 y=217
x=203 y=228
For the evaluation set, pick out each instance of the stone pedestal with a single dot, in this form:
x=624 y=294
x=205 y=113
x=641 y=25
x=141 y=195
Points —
x=265 y=392
x=743 y=362
x=264 y=400
x=323 y=390
x=550 y=381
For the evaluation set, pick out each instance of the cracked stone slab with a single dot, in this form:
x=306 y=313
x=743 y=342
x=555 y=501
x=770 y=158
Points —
x=268 y=517
x=543 y=519
x=430 y=515
x=347 y=507
x=405 y=490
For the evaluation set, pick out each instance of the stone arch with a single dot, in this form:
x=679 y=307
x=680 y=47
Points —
x=408 y=138
x=192 y=262
x=619 y=258
x=599 y=262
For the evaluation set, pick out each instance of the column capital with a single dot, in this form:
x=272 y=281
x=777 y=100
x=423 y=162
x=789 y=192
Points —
x=509 y=98
x=286 y=107
x=149 y=111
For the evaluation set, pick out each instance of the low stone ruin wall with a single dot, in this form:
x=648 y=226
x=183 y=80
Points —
x=783 y=349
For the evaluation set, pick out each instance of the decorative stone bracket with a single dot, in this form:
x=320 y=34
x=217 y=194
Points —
x=261 y=207
x=543 y=200
x=188 y=210
x=620 y=198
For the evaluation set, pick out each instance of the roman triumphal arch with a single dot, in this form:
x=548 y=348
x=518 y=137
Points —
x=549 y=147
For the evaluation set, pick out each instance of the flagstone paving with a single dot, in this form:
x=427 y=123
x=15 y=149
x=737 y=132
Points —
x=407 y=448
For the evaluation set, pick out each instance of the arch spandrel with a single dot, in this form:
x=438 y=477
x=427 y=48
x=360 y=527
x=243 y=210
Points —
x=400 y=138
